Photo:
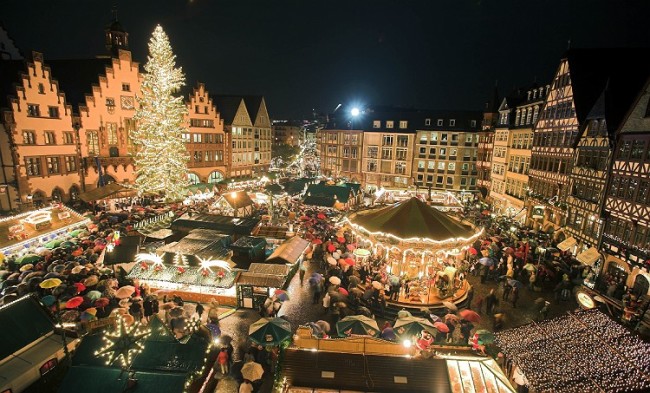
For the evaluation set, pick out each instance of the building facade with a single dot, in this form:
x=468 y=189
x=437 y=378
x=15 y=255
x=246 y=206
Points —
x=340 y=153
x=486 y=146
x=513 y=138
x=287 y=132
x=205 y=140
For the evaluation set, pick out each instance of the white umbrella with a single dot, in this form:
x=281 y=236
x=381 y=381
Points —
x=335 y=280
x=331 y=260
x=252 y=371
x=336 y=255
x=376 y=285
x=451 y=306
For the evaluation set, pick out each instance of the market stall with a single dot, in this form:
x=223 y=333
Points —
x=249 y=249
x=260 y=282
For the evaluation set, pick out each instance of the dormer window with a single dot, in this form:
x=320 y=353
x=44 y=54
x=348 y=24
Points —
x=440 y=122
x=376 y=124
x=529 y=95
x=403 y=124
x=390 y=124
x=452 y=122
x=427 y=122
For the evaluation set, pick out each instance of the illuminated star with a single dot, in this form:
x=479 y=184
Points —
x=123 y=343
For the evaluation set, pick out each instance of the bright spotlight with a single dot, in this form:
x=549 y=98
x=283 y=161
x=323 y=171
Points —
x=355 y=112
x=407 y=343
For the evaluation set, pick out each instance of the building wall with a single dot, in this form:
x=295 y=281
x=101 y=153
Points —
x=241 y=143
x=387 y=158
x=44 y=140
x=205 y=141
x=332 y=144
x=107 y=121
x=287 y=134
x=446 y=160
x=262 y=140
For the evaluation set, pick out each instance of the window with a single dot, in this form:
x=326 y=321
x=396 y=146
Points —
x=49 y=138
x=400 y=167
x=376 y=124
x=440 y=122
x=110 y=101
x=452 y=122
x=402 y=141
x=450 y=180
x=472 y=123
x=637 y=150
x=390 y=124
x=443 y=138
x=427 y=122
x=441 y=166
x=434 y=137
x=111 y=133
x=386 y=153
x=372 y=151
x=68 y=137
x=53 y=111
x=29 y=138
x=197 y=138
x=33 y=110
x=70 y=164
x=52 y=165
x=387 y=140
x=372 y=166
x=33 y=166
x=400 y=154
x=403 y=124
x=126 y=87
x=41 y=88
x=92 y=141
x=431 y=165
x=451 y=166
x=198 y=157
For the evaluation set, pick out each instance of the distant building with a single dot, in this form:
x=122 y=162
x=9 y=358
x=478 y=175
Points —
x=286 y=132
x=486 y=145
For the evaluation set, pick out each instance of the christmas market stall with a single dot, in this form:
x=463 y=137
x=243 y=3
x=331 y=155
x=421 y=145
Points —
x=290 y=253
x=196 y=268
x=259 y=282
x=248 y=249
x=235 y=226
x=420 y=243
x=136 y=358
x=234 y=203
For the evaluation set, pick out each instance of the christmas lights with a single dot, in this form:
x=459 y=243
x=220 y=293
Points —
x=124 y=343
x=161 y=157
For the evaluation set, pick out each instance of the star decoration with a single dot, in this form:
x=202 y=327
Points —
x=193 y=325
x=123 y=343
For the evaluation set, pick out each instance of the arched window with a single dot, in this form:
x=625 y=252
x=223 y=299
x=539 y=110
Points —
x=57 y=195
x=215 y=177
x=641 y=285
x=38 y=198
x=193 y=178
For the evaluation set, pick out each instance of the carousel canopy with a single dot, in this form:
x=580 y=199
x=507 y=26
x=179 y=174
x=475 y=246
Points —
x=411 y=218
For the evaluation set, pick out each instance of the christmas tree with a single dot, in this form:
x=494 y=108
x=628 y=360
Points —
x=161 y=157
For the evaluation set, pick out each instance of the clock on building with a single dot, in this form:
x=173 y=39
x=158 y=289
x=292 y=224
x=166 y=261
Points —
x=127 y=102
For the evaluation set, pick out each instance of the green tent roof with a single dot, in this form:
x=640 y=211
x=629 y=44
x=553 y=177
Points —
x=342 y=193
x=111 y=380
x=21 y=323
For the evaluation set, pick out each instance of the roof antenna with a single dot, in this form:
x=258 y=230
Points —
x=115 y=11
x=568 y=46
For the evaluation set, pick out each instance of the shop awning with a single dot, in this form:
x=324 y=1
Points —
x=588 y=257
x=289 y=251
x=567 y=244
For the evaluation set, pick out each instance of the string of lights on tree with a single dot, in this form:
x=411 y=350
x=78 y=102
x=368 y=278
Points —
x=579 y=352
x=161 y=157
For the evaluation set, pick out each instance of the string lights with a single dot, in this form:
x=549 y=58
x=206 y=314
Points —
x=580 y=352
x=124 y=343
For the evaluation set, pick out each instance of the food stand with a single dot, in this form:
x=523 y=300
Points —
x=260 y=282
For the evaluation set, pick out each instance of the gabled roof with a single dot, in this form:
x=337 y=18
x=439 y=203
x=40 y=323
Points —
x=322 y=189
x=591 y=70
x=22 y=322
x=253 y=105
x=227 y=107
x=289 y=251
x=238 y=199
x=411 y=218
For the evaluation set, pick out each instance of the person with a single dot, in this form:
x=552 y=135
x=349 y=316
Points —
x=466 y=330
x=317 y=288
x=498 y=321
x=515 y=296
x=543 y=313
x=490 y=302
x=303 y=270
x=222 y=359
x=506 y=291
x=199 y=309
x=246 y=387
x=470 y=296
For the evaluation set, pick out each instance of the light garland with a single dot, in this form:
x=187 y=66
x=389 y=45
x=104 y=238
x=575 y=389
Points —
x=124 y=343
x=579 y=352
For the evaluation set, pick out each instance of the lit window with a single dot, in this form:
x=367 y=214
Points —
x=452 y=122
x=427 y=122
x=440 y=122
x=403 y=124
x=389 y=124
x=49 y=138
x=376 y=124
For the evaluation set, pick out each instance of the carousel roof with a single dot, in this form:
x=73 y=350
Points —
x=409 y=219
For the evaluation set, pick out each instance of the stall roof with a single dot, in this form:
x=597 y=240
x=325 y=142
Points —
x=111 y=190
x=249 y=242
x=567 y=243
x=22 y=322
x=261 y=280
x=589 y=257
x=160 y=234
x=289 y=251
x=239 y=200
x=223 y=224
x=271 y=231
x=125 y=252
x=269 y=268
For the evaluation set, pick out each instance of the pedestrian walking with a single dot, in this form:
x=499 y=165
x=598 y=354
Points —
x=543 y=313
x=246 y=387
x=506 y=291
x=470 y=296
x=490 y=302
x=466 y=331
x=222 y=359
x=317 y=288
x=303 y=270
x=199 y=309
x=515 y=296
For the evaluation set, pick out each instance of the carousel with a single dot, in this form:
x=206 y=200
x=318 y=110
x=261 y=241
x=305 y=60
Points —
x=417 y=244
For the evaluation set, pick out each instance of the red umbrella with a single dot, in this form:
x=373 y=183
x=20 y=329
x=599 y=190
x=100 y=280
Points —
x=80 y=287
x=101 y=302
x=349 y=261
x=486 y=212
x=343 y=291
x=304 y=218
x=519 y=254
x=340 y=239
x=321 y=216
x=472 y=251
x=317 y=241
x=351 y=247
x=442 y=328
x=331 y=248
x=469 y=315
x=74 y=302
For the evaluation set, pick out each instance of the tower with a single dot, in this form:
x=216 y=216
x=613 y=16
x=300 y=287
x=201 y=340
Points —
x=116 y=37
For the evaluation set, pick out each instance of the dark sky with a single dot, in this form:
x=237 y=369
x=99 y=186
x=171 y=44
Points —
x=304 y=54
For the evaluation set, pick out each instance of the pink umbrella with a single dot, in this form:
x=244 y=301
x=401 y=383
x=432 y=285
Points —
x=351 y=247
x=343 y=291
x=441 y=327
x=125 y=292
x=340 y=239
x=469 y=315
x=80 y=287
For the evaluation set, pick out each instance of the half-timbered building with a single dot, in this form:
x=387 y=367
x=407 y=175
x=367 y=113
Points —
x=626 y=236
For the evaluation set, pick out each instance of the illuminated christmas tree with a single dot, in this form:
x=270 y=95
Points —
x=161 y=157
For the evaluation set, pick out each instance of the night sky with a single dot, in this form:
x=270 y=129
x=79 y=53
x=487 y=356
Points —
x=304 y=54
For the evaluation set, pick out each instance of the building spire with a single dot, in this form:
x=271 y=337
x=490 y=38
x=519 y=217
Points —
x=116 y=37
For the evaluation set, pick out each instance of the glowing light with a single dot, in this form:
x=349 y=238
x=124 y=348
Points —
x=233 y=194
x=355 y=112
x=407 y=343
x=208 y=263
x=148 y=257
x=123 y=343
